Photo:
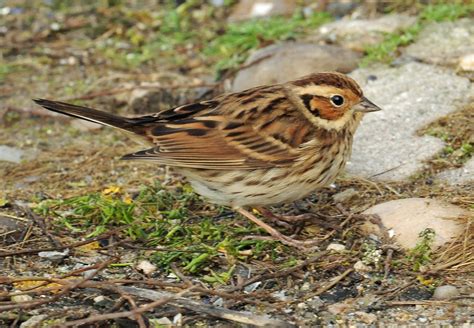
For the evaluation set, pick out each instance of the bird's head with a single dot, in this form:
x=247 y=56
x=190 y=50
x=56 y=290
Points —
x=331 y=99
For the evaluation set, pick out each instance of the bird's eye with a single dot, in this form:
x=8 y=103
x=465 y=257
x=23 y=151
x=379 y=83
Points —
x=337 y=100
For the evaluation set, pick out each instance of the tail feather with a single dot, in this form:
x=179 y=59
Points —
x=86 y=113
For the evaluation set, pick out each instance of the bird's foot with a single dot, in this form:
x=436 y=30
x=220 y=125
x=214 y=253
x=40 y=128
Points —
x=292 y=219
x=275 y=235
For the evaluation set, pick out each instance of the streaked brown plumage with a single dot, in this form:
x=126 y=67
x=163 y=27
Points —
x=262 y=146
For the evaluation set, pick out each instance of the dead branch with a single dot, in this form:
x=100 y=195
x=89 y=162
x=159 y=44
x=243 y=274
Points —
x=217 y=312
x=73 y=245
x=281 y=273
x=144 y=308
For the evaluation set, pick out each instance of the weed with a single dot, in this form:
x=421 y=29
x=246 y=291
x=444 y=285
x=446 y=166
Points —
x=371 y=255
x=159 y=218
x=233 y=47
x=420 y=255
x=386 y=51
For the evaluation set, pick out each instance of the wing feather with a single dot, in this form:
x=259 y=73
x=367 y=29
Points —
x=239 y=131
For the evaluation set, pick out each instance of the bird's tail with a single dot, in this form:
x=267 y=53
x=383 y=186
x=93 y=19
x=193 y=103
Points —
x=88 y=114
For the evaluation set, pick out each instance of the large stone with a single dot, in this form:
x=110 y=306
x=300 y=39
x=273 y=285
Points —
x=460 y=176
x=386 y=145
x=290 y=60
x=357 y=34
x=406 y=218
x=444 y=43
x=248 y=9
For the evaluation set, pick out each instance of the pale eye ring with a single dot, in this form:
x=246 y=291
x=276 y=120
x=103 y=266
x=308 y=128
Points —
x=337 y=100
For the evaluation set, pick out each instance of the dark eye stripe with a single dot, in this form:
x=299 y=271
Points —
x=306 y=99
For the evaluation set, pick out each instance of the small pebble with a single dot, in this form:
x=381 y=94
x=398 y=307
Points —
x=466 y=63
x=146 y=267
x=34 y=321
x=336 y=247
x=281 y=295
x=444 y=292
x=315 y=303
x=359 y=266
x=306 y=286
x=163 y=321
x=54 y=256
x=99 y=299
x=345 y=195
x=178 y=320
x=21 y=298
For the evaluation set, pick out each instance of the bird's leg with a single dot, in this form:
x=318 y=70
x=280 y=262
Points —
x=275 y=234
x=295 y=218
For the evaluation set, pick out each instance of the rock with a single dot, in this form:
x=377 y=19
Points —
x=305 y=287
x=294 y=60
x=359 y=266
x=280 y=295
x=368 y=318
x=386 y=144
x=466 y=66
x=146 y=267
x=445 y=292
x=99 y=299
x=164 y=321
x=466 y=63
x=357 y=34
x=345 y=195
x=248 y=9
x=336 y=247
x=178 y=320
x=34 y=321
x=21 y=298
x=408 y=217
x=444 y=43
x=10 y=154
x=315 y=303
x=54 y=256
x=460 y=176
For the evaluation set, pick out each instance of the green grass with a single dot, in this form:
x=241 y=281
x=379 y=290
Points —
x=421 y=254
x=386 y=51
x=233 y=47
x=159 y=218
x=172 y=32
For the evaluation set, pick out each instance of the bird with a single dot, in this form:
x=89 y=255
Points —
x=263 y=146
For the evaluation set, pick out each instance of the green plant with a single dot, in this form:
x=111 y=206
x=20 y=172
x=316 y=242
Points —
x=386 y=51
x=233 y=47
x=420 y=255
x=158 y=218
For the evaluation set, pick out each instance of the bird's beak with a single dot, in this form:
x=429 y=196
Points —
x=366 y=106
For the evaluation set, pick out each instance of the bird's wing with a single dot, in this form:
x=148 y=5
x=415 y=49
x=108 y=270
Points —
x=249 y=130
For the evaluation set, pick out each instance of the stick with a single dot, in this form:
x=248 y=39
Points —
x=217 y=312
x=333 y=282
x=150 y=306
x=281 y=273
x=80 y=243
